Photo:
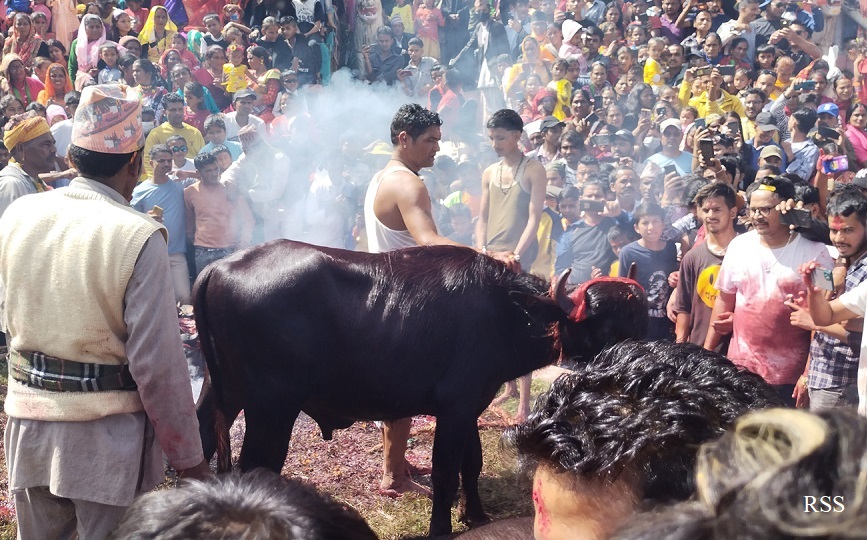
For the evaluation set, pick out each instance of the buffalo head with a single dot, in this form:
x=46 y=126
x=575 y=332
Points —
x=600 y=312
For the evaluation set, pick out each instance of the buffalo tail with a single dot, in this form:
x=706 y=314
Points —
x=209 y=350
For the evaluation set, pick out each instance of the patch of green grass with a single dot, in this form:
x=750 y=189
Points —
x=536 y=387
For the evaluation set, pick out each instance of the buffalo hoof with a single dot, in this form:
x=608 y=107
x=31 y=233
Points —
x=473 y=521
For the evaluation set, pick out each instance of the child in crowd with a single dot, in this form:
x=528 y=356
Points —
x=656 y=261
x=137 y=13
x=428 y=20
x=404 y=11
x=462 y=224
x=195 y=111
x=179 y=43
x=110 y=73
x=215 y=134
x=654 y=72
x=617 y=239
x=182 y=166
x=234 y=71
x=148 y=120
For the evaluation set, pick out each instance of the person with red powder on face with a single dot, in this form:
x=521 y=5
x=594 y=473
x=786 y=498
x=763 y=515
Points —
x=759 y=271
x=628 y=459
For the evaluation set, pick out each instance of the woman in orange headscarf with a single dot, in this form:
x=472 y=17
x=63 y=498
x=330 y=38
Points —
x=57 y=84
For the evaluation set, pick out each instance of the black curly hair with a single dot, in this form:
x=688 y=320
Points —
x=414 y=119
x=639 y=407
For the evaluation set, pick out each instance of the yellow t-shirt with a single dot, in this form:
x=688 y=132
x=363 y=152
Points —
x=236 y=78
x=653 y=73
x=405 y=14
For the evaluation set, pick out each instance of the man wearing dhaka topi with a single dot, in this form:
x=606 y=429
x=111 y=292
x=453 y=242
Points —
x=95 y=400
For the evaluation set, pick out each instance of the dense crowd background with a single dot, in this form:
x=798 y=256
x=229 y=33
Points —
x=632 y=107
x=720 y=146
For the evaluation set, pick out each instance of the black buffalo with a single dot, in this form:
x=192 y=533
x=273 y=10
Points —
x=345 y=336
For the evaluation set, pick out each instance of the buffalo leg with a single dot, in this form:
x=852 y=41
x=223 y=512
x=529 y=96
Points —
x=266 y=439
x=449 y=443
x=471 y=469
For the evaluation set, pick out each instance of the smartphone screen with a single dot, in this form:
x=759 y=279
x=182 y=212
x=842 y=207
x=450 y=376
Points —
x=586 y=205
x=726 y=70
x=706 y=148
x=700 y=123
x=668 y=169
x=645 y=113
x=592 y=118
x=797 y=217
x=823 y=278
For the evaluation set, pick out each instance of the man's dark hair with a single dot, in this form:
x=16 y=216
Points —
x=35 y=106
x=172 y=97
x=589 y=161
x=219 y=149
x=506 y=119
x=640 y=408
x=733 y=164
x=97 y=164
x=452 y=78
x=204 y=159
x=570 y=192
x=766 y=48
x=385 y=31
x=755 y=91
x=414 y=119
x=72 y=98
x=213 y=50
x=126 y=60
x=614 y=233
x=846 y=199
x=714 y=190
x=647 y=209
x=693 y=183
x=572 y=137
x=805 y=118
x=256 y=506
x=460 y=210
x=286 y=19
x=214 y=121
x=754 y=476
x=157 y=148
x=600 y=183
x=806 y=193
x=415 y=41
x=174 y=138
x=782 y=187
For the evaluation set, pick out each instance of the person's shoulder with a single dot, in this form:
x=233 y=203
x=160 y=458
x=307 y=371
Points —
x=630 y=249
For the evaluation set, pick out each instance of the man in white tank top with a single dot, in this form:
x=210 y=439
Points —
x=397 y=214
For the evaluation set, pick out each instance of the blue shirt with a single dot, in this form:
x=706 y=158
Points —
x=170 y=197
x=234 y=148
x=683 y=162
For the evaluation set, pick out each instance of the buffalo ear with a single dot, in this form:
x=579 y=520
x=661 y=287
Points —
x=538 y=307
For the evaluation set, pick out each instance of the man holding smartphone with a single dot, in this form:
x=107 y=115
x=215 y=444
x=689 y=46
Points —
x=671 y=154
x=832 y=372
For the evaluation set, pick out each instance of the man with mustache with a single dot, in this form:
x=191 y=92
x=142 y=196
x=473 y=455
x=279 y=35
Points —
x=831 y=375
x=758 y=273
x=699 y=269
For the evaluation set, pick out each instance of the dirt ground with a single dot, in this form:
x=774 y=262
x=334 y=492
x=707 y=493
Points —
x=348 y=468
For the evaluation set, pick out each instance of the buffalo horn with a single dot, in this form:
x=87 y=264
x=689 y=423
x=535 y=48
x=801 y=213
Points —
x=560 y=295
x=633 y=271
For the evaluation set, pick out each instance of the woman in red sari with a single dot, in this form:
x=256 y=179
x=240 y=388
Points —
x=16 y=81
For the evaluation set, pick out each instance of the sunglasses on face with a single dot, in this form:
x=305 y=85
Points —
x=290 y=81
x=179 y=149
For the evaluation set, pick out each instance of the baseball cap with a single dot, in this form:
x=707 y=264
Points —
x=770 y=150
x=550 y=122
x=765 y=122
x=671 y=122
x=553 y=191
x=860 y=179
x=245 y=93
x=828 y=108
x=626 y=135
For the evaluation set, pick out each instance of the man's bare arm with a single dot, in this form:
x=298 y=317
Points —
x=723 y=309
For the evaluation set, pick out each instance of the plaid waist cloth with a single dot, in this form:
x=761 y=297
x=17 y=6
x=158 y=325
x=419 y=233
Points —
x=48 y=373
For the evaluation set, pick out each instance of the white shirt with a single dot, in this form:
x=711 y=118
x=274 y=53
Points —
x=856 y=302
x=232 y=127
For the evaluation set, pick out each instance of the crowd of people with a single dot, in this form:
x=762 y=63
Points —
x=715 y=149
